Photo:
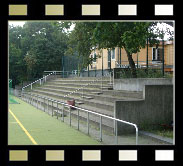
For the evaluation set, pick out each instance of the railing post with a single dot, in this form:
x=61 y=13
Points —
x=88 y=122
x=44 y=104
x=29 y=98
x=63 y=112
x=48 y=106
x=101 y=128
x=40 y=81
x=52 y=108
x=37 y=101
x=40 y=103
x=136 y=136
x=70 y=116
x=31 y=86
x=32 y=99
x=57 y=110
x=78 y=119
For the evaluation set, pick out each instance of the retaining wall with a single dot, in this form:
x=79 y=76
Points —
x=155 y=108
x=137 y=84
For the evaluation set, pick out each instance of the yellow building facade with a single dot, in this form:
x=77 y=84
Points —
x=106 y=58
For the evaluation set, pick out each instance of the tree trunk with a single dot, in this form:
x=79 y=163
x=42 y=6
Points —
x=132 y=65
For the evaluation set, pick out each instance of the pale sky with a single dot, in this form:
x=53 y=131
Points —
x=17 y=23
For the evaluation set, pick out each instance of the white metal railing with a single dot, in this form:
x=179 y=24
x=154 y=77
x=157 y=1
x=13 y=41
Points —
x=40 y=81
x=29 y=99
x=63 y=73
x=126 y=66
x=93 y=81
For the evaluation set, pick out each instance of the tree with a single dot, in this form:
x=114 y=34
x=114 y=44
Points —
x=131 y=36
x=34 y=48
x=80 y=41
x=16 y=66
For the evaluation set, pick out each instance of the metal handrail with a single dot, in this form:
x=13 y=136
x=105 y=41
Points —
x=126 y=66
x=75 y=72
x=97 y=79
x=88 y=112
x=141 y=65
x=43 y=78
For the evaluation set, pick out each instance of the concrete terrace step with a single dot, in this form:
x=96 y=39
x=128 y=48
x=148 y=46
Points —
x=66 y=91
x=75 y=86
x=108 y=88
x=87 y=97
x=84 y=78
x=79 y=81
x=97 y=93
x=97 y=96
x=91 y=102
x=121 y=93
x=88 y=89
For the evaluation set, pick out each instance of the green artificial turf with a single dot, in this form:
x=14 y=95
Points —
x=44 y=129
x=12 y=100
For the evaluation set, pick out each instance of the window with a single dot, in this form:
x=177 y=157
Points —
x=113 y=53
x=157 y=54
x=94 y=57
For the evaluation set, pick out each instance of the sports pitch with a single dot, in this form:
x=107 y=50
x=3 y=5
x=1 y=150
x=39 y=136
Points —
x=12 y=100
x=30 y=126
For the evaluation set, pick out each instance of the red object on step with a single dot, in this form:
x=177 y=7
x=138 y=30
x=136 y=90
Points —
x=71 y=102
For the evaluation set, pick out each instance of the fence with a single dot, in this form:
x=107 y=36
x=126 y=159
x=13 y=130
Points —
x=40 y=81
x=42 y=103
x=64 y=74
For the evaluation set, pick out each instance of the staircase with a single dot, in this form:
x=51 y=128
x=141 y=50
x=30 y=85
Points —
x=93 y=97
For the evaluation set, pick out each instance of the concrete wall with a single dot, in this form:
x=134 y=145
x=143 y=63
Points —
x=156 y=107
x=137 y=84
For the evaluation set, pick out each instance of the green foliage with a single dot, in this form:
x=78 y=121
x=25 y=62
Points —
x=80 y=41
x=132 y=36
x=40 y=46
x=142 y=73
x=34 y=48
x=157 y=129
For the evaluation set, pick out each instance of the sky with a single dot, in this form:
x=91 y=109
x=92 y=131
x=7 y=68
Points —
x=21 y=23
x=17 y=23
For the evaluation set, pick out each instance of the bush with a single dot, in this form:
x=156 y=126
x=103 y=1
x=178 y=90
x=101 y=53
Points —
x=143 y=73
